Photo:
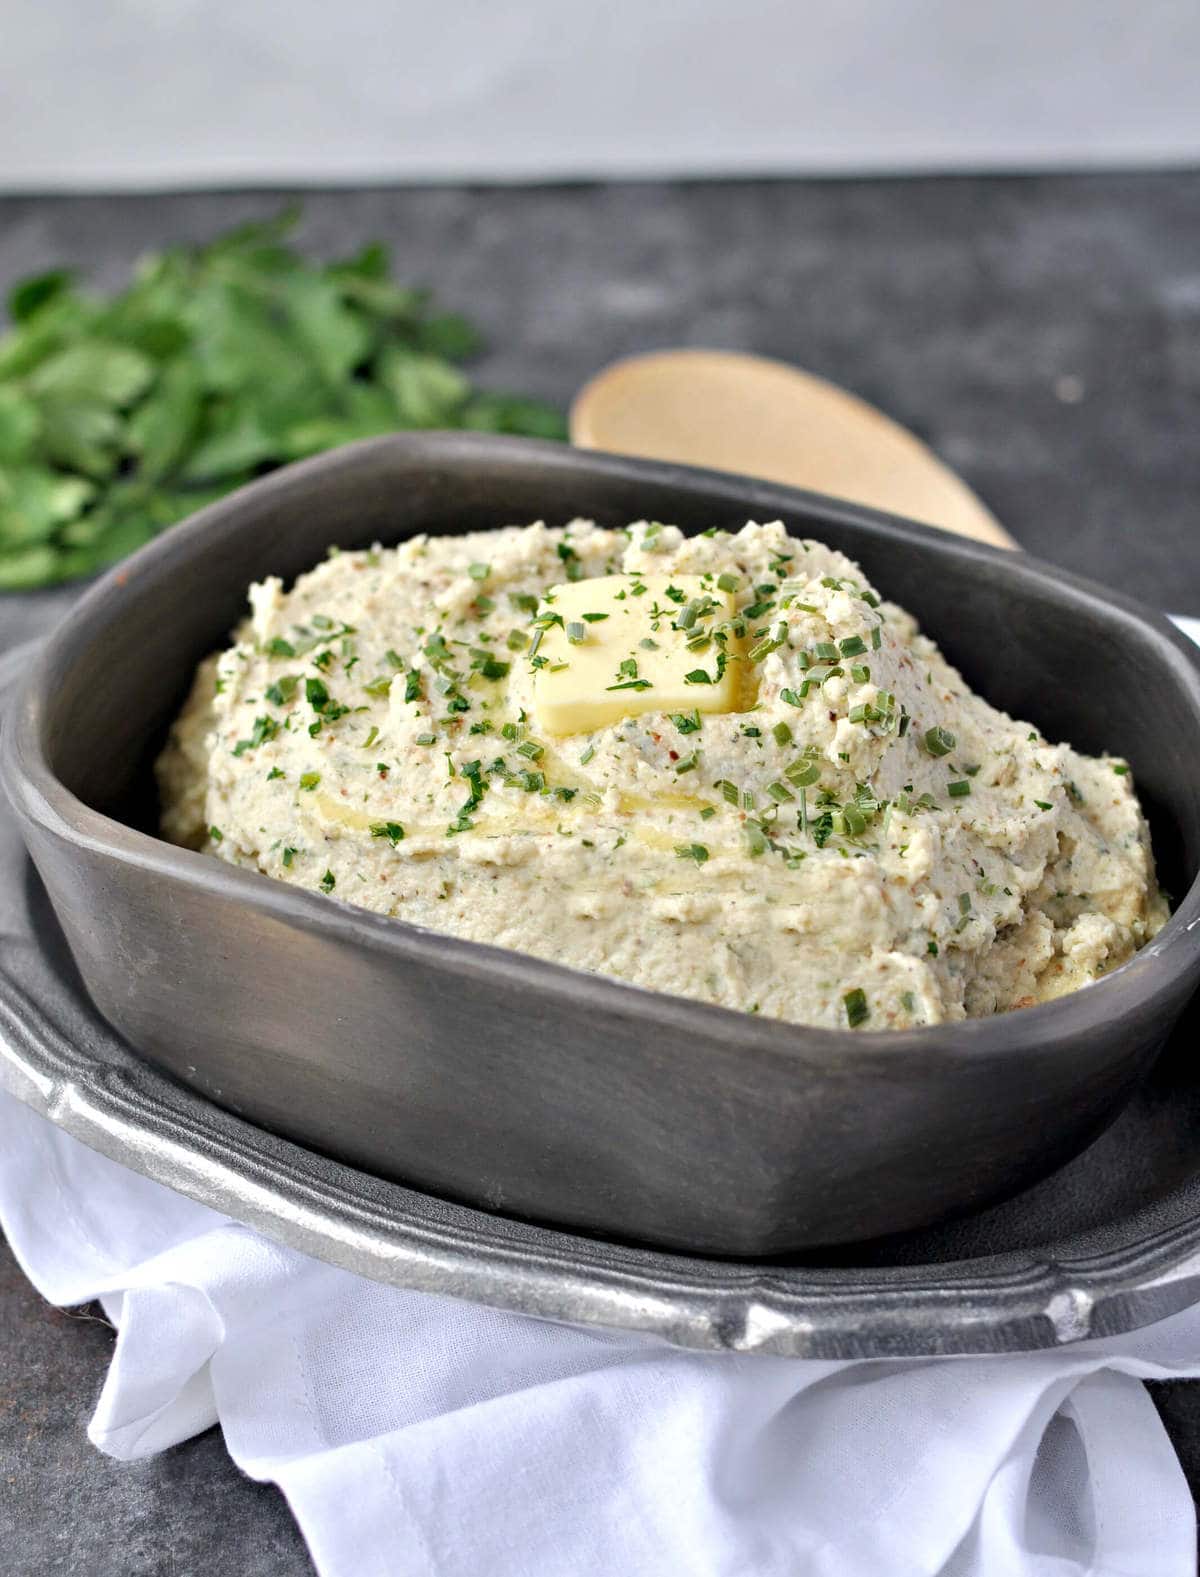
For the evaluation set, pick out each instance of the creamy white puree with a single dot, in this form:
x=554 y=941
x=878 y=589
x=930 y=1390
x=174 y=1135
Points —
x=920 y=876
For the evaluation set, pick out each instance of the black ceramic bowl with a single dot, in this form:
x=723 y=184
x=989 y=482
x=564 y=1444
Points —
x=522 y=1086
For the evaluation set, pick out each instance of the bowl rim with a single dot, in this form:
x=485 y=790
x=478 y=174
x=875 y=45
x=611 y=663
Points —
x=40 y=796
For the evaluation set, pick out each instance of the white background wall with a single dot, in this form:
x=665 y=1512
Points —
x=174 y=92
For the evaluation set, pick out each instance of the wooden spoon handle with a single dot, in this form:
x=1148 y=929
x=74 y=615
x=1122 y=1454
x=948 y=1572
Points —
x=763 y=418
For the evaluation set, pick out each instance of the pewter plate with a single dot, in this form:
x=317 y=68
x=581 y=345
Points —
x=1108 y=1243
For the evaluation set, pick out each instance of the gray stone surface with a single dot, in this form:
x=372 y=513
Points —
x=1042 y=333
x=65 y=1509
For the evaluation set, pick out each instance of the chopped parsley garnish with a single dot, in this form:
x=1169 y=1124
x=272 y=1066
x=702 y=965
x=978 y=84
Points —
x=570 y=559
x=691 y=851
x=391 y=830
x=275 y=772
x=687 y=722
x=490 y=667
x=595 y=618
x=479 y=571
x=1043 y=804
x=309 y=780
x=328 y=882
x=1120 y=768
x=215 y=834
x=265 y=728
x=278 y=647
x=282 y=691
x=857 y=1011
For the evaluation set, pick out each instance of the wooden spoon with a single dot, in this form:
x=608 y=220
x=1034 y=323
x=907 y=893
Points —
x=762 y=418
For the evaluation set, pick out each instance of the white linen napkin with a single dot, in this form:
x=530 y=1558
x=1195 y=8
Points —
x=417 y=1436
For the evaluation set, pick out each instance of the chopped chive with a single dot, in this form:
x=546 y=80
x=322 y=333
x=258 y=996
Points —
x=790 y=697
x=958 y=790
x=825 y=651
x=756 y=839
x=576 y=633
x=853 y=646
x=278 y=647
x=328 y=882
x=371 y=737
x=516 y=641
x=595 y=618
x=289 y=854
x=215 y=834
x=587 y=755
x=803 y=774
x=728 y=581
x=729 y=791
x=531 y=750
x=523 y=601
x=708 y=813
x=426 y=739
x=688 y=764
x=1120 y=768
x=779 y=792
x=876 y=639
x=479 y=571
x=860 y=673
x=1043 y=804
x=309 y=780
x=939 y=741
x=782 y=733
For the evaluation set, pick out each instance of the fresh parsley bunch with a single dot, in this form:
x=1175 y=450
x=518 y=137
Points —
x=120 y=416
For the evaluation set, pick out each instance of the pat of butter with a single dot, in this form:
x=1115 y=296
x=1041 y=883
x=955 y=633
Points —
x=620 y=651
